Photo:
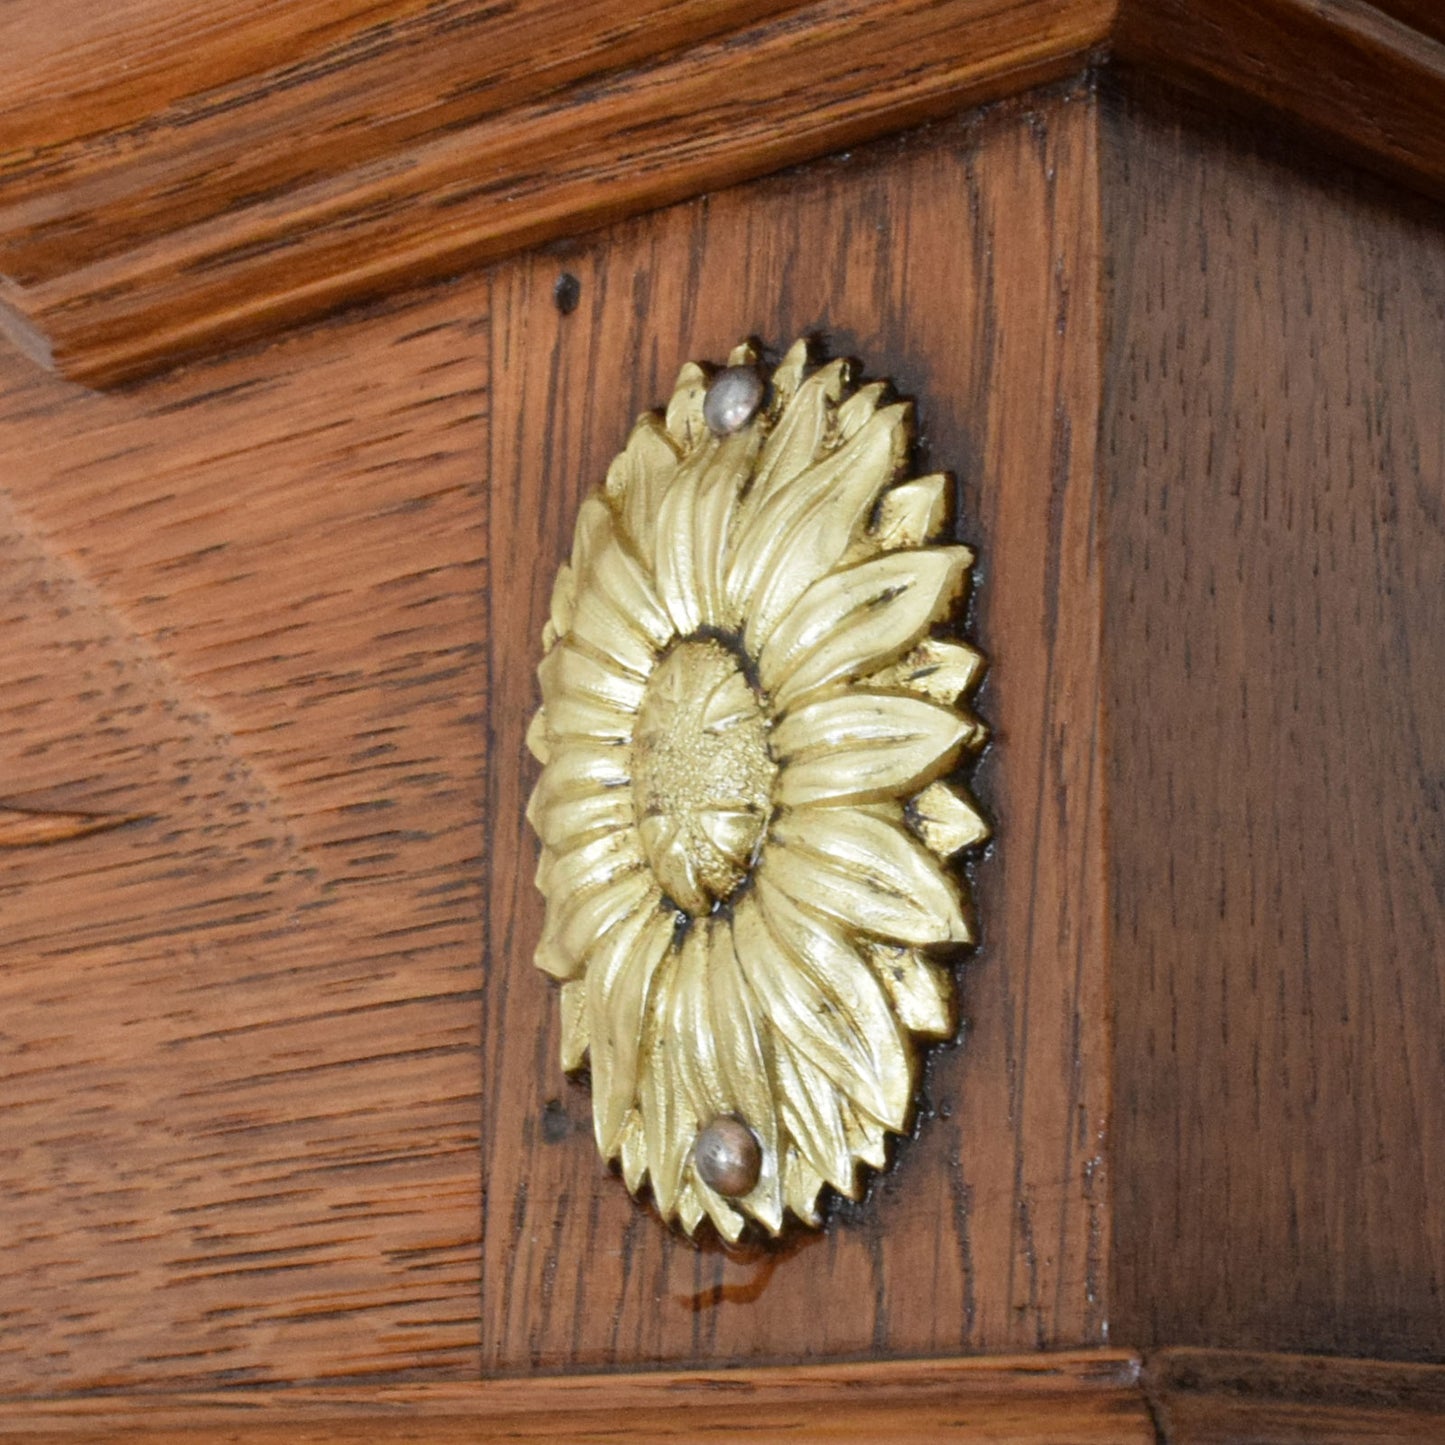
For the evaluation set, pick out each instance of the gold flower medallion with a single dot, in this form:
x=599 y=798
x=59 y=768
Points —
x=748 y=734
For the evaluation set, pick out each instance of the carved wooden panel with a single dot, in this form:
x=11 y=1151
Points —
x=962 y=266
x=279 y=1102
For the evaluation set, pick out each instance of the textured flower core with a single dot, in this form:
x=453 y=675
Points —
x=702 y=776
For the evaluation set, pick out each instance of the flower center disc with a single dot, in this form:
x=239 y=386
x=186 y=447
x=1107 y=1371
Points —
x=702 y=776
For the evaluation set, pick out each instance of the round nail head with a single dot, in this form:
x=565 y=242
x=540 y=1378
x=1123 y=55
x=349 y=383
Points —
x=732 y=400
x=728 y=1156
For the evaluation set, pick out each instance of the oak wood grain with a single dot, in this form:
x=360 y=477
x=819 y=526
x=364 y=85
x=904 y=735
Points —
x=177 y=235
x=238 y=1042
x=1081 y=1397
x=34 y=828
x=1367 y=82
x=1274 y=448
x=964 y=267
x=211 y=109
x=179 y=178
x=1228 y=1397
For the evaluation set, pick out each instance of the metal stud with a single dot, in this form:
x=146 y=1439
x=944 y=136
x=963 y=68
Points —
x=728 y=1157
x=732 y=400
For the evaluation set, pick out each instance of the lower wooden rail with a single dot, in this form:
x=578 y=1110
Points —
x=1084 y=1397
x=1180 y=1397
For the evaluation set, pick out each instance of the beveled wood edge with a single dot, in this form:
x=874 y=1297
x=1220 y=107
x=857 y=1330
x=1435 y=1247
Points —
x=774 y=93
x=1369 y=85
x=1098 y=1389
x=1203 y=1396
x=1183 y=1396
x=787 y=89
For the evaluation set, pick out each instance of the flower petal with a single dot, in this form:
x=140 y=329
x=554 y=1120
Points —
x=866 y=1136
x=619 y=984
x=717 y=499
x=574 y=1025
x=677 y=561
x=800 y=431
x=564 y=597
x=637 y=479
x=728 y=1221
x=536 y=738
x=689 y=1206
x=632 y=1150
x=567 y=823
x=802 y=1182
x=936 y=669
x=866 y=873
x=788 y=374
x=617 y=612
x=946 y=821
x=630 y=594
x=854 y=413
x=823 y=999
x=852 y=622
x=586 y=698
x=921 y=991
x=684 y=408
x=589 y=777
x=666 y=1096
x=735 y=1019
x=568 y=940
x=863 y=747
x=808 y=1103
x=910 y=514
x=700 y=1069
x=588 y=899
x=592 y=532
x=788 y=542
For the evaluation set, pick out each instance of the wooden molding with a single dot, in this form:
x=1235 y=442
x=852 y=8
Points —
x=182 y=179
x=131 y=247
x=1369 y=83
x=1082 y=1396
x=1179 y=1397
x=1230 y=1397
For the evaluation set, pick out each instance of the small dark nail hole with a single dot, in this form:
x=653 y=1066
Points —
x=567 y=293
x=556 y=1126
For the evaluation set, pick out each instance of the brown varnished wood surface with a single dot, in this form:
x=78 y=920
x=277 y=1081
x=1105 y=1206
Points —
x=1181 y=1397
x=1081 y=1397
x=1228 y=1397
x=242 y=615
x=1274 y=427
x=179 y=178
x=1367 y=82
x=170 y=237
x=1426 y=16
x=964 y=267
x=217 y=107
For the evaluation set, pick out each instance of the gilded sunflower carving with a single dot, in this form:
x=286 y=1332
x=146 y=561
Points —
x=750 y=733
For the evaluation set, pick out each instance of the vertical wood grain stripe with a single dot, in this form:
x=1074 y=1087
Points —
x=1274 y=429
